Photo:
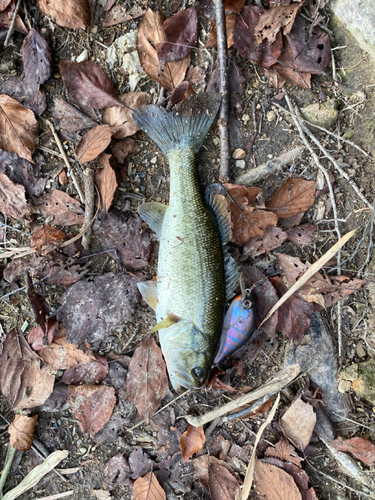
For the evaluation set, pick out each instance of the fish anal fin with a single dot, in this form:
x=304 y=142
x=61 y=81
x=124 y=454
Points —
x=153 y=213
x=149 y=293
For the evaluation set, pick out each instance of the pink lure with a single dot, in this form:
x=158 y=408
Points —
x=239 y=324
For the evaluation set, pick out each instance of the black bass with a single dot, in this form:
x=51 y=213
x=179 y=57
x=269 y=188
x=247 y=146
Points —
x=196 y=275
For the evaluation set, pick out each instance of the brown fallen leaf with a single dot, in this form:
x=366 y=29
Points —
x=272 y=483
x=191 y=441
x=298 y=423
x=283 y=451
x=121 y=14
x=37 y=60
x=37 y=302
x=346 y=287
x=89 y=373
x=94 y=142
x=39 y=338
x=18 y=128
x=230 y=21
x=6 y=20
x=181 y=32
x=361 y=448
x=12 y=198
x=46 y=238
x=120 y=117
x=150 y=34
x=21 y=432
x=61 y=355
x=36 y=386
x=121 y=149
x=116 y=473
x=222 y=484
x=140 y=463
x=273 y=20
x=181 y=92
x=273 y=237
x=293 y=197
x=88 y=84
x=286 y=70
x=70 y=118
x=22 y=172
x=148 y=488
x=74 y=14
x=92 y=406
x=301 y=235
x=105 y=180
x=147 y=379
x=64 y=209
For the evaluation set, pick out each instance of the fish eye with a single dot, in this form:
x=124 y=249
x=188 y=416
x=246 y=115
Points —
x=199 y=373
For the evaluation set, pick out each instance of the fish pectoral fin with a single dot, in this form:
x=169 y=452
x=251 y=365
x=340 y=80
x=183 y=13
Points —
x=170 y=320
x=153 y=213
x=149 y=293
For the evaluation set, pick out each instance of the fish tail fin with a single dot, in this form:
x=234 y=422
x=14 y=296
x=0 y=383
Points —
x=187 y=125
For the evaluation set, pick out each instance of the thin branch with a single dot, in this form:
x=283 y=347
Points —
x=12 y=24
x=88 y=176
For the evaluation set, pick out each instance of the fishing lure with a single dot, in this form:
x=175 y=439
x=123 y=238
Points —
x=239 y=325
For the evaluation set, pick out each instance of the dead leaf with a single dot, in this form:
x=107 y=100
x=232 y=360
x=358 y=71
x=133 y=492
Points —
x=275 y=79
x=36 y=385
x=286 y=70
x=140 y=463
x=37 y=302
x=181 y=32
x=273 y=20
x=298 y=423
x=4 y=4
x=283 y=451
x=272 y=483
x=89 y=373
x=150 y=34
x=17 y=88
x=301 y=235
x=346 y=287
x=243 y=37
x=121 y=14
x=92 y=310
x=273 y=237
x=147 y=379
x=230 y=22
x=21 y=432
x=128 y=235
x=70 y=118
x=12 y=198
x=18 y=128
x=64 y=209
x=6 y=20
x=148 y=488
x=234 y=6
x=46 y=238
x=361 y=448
x=181 y=92
x=117 y=473
x=296 y=195
x=74 y=14
x=92 y=406
x=222 y=484
x=21 y=171
x=94 y=142
x=37 y=60
x=191 y=441
x=121 y=149
x=61 y=355
x=120 y=117
x=39 y=338
x=105 y=180
x=88 y=85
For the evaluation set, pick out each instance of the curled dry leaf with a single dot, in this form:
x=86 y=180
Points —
x=150 y=34
x=148 y=488
x=105 y=180
x=88 y=84
x=273 y=20
x=61 y=355
x=293 y=197
x=64 y=209
x=298 y=423
x=18 y=128
x=37 y=60
x=191 y=441
x=12 y=198
x=222 y=484
x=39 y=338
x=361 y=448
x=181 y=31
x=121 y=14
x=46 y=238
x=92 y=406
x=21 y=432
x=120 y=117
x=147 y=379
x=72 y=14
x=272 y=483
x=94 y=142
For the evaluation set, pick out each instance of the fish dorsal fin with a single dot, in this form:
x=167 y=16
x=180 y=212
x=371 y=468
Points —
x=149 y=293
x=153 y=213
x=215 y=197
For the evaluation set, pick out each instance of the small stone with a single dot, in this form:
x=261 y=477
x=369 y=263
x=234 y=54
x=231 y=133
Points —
x=154 y=160
x=322 y=114
x=271 y=116
x=360 y=350
x=245 y=119
x=240 y=164
x=82 y=450
x=238 y=154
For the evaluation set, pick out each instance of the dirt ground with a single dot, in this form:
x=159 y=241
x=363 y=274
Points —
x=148 y=180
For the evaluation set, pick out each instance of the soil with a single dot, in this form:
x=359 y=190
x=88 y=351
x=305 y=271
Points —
x=148 y=180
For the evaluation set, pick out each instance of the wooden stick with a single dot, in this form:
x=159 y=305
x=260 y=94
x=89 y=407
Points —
x=12 y=24
x=88 y=176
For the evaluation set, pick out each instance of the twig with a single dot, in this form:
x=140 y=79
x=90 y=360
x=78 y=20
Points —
x=285 y=376
x=66 y=160
x=6 y=468
x=12 y=24
x=58 y=495
x=224 y=109
x=88 y=177
x=268 y=168
x=365 y=339
x=22 y=288
x=247 y=410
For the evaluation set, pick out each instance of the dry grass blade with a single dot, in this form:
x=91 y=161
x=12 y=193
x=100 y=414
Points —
x=310 y=272
x=246 y=487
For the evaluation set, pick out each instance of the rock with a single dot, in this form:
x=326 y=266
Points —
x=240 y=164
x=362 y=378
x=238 y=154
x=360 y=350
x=322 y=114
x=271 y=116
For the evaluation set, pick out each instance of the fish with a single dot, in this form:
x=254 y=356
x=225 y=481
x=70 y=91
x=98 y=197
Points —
x=238 y=327
x=196 y=275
